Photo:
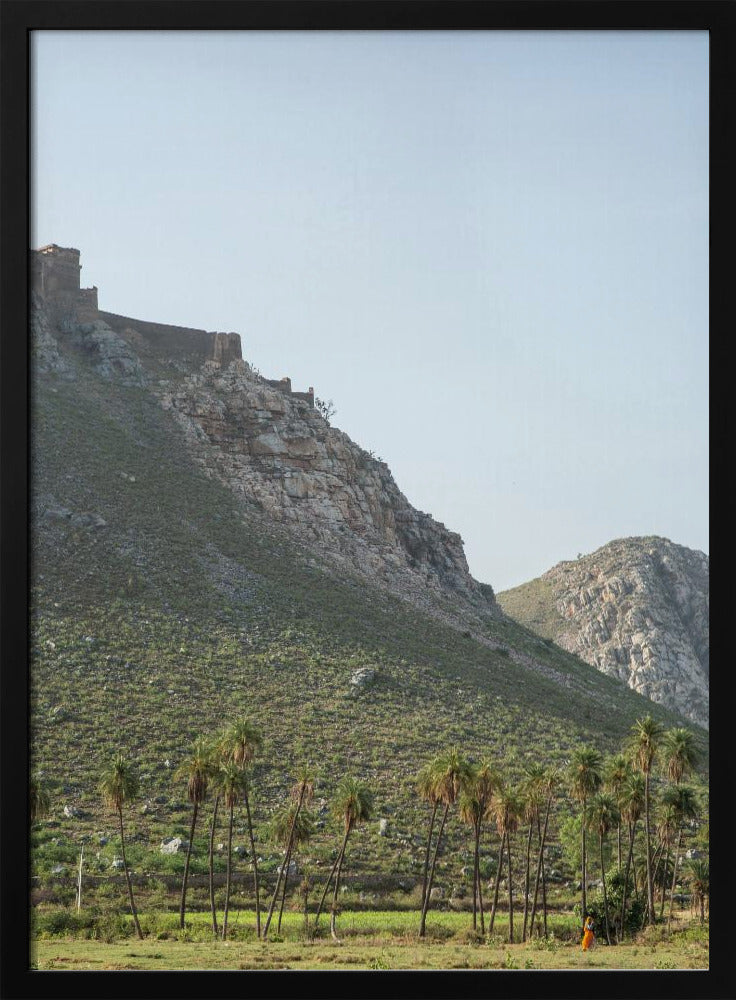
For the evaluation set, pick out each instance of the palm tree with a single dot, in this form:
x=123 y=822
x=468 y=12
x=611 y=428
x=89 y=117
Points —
x=533 y=796
x=118 y=785
x=631 y=807
x=240 y=743
x=602 y=814
x=216 y=758
x=645 y=739
x=452 y=772
x=353 y=804
x=698 y=875
x=616 y=773
x=585 y=780
x=427 y=790
x=303 y=830
x=666 y=829
x=680 y=753
x=685 y=806
x=196 y=769
x=499 y=792
x=551 y=781
x=39 y=800
x=508 y=809
x=475 y=803
x=233 y=785
x=301 y=793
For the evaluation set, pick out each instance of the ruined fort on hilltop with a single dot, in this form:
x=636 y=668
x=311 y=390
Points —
x=55 y=277
x=268 y=444
x=636 y=609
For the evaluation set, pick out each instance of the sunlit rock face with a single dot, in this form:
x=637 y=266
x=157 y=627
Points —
x=637 y=609
x=276 y=450
x=267 y=443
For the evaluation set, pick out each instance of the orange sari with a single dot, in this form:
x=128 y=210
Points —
x=588 y=935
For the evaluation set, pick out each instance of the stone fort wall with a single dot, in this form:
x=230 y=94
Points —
x=165 y=340
x=55 y=271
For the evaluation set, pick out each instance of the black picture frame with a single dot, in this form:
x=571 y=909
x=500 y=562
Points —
x=18 y=20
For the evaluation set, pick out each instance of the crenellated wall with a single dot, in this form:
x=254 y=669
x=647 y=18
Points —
x=55 y=277
x=165 y=340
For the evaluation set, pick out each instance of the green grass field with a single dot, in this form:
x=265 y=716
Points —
x=376 y=940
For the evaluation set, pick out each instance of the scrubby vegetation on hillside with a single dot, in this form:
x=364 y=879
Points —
x=163 y=610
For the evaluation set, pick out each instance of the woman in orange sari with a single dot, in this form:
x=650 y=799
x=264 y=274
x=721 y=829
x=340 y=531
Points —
x=588 y=935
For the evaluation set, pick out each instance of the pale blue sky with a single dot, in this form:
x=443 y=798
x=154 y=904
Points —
x=490 y=249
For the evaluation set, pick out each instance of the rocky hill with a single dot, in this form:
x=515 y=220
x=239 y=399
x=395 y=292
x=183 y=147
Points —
x=267 y=444
x=637 y=609
x=205 y=545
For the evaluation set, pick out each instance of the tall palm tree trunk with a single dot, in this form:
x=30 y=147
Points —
x=425 y=907
x=665 y=869
x=480 y=899
x=476 y=875
x=632 y=828
x=227 y=879
x=605 y=897
x=427 y=852
x=333 y=914
x=540 y=868
x=255 y=864
x=338 y=859
x=499 y=869
x=650 y=873
x=284 y=868
x=127 y=878
x=527 y=878
x=584 y=873
x=544 y=895
x=283 y=893
x=212 y=867
x=674 y=876
x=279 y=876
x=511 y=892
x=618 y=840
x=183 y=903
x=656 y=863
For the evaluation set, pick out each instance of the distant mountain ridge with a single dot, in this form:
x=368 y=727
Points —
x=637 y=609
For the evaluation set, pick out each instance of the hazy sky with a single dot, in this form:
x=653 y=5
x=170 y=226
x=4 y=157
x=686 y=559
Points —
x=490 y=249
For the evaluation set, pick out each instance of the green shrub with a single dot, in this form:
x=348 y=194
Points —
x=60 y=923
x=109 y=927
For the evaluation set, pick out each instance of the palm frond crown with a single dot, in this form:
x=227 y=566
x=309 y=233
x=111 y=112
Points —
x=119 y=783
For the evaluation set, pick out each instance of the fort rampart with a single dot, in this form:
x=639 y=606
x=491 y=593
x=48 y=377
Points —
x=55 y=274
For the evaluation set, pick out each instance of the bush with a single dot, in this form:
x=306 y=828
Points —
x=109 y=927
x=56 y=923
x=635 y=907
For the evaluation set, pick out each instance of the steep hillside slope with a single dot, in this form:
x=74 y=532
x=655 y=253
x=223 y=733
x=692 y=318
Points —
x=275 y=451
x=166 y=601
x=637 y=609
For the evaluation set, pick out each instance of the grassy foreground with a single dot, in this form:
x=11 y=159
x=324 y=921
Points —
x=378 y=941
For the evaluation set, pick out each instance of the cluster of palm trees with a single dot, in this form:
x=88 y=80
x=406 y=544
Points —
x=611 y=794
x=223 y=766
x=619 y=791
x=614 y=793
x=484 y=796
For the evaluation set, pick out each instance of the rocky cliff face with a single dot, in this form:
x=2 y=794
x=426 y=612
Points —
x=636 y=609
x=277 y=451
x=274 y=450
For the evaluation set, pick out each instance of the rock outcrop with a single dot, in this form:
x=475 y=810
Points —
x=636 y=609
x=275 y=450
